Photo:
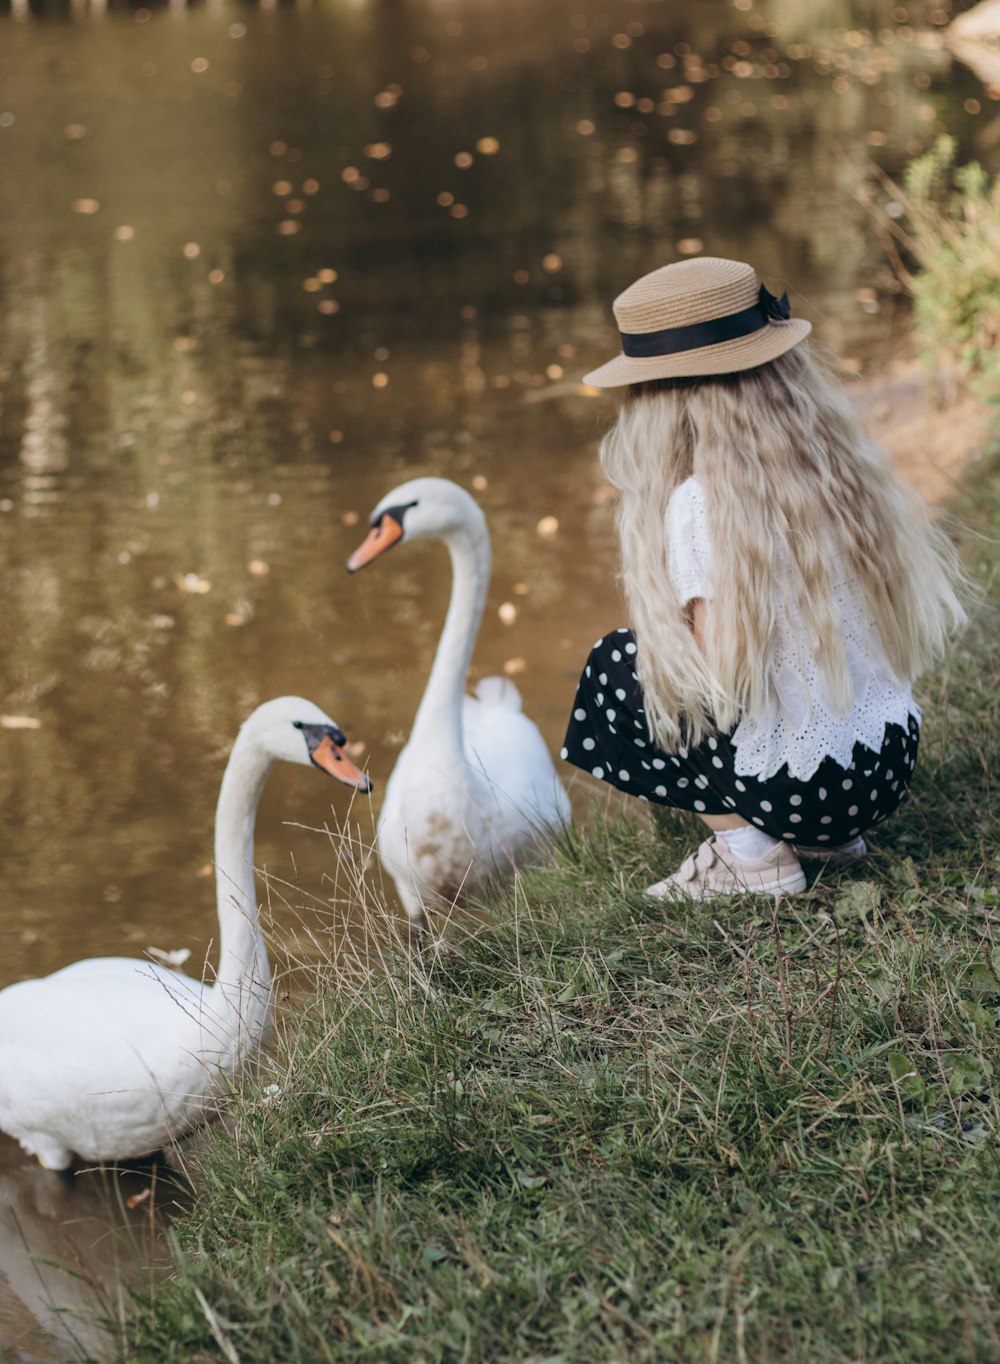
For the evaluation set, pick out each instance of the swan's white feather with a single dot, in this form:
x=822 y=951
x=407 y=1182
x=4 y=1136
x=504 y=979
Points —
x=499 y=692
x=106 y=1058
x=508 y=750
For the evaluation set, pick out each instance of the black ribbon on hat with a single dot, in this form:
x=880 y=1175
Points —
x=674 y=340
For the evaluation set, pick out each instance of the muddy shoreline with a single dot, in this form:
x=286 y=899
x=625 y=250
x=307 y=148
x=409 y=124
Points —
x=929 y=444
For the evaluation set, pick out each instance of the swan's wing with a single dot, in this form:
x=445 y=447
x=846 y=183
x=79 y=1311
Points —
x=103 y=1018
x=509 y=753
x=107 y=1055
x=499 y=693
x=441 y=829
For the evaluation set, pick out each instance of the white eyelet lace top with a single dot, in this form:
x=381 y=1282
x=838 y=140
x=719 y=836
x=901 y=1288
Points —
x=798 y=724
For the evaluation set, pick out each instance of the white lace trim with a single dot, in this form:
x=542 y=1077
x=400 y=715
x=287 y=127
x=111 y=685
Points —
x=798 y=725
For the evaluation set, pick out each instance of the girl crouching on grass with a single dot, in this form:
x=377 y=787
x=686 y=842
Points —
x=785 y=590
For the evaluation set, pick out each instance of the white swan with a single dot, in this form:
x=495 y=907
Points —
x=113 y=1057
x=475 y=785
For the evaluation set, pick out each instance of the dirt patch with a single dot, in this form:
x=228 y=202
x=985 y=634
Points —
x=929 y=445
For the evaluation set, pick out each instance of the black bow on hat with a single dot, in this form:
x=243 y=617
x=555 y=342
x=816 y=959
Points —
x=777 y=309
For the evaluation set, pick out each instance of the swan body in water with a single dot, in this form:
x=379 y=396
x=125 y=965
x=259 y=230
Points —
x=113 y=1057
x=475 y=786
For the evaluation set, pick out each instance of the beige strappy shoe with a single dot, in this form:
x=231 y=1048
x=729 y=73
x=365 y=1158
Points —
x=715 y=870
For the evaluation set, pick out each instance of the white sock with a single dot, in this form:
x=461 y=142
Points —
x=748 y=843
x=855 y=846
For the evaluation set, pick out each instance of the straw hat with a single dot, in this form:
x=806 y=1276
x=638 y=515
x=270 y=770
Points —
x=700 y=316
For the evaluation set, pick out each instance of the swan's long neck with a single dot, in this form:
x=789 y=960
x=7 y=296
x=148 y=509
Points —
x=439 y=717
x=244 y=971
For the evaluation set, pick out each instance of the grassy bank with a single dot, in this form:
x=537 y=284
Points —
x=605 y=1130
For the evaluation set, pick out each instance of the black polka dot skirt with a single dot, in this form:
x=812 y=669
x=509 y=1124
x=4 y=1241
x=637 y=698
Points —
x=608 y=737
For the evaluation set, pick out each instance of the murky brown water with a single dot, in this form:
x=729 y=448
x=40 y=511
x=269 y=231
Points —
x=256 y=266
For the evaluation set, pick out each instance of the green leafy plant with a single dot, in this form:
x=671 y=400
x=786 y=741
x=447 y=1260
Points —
x=952 y=231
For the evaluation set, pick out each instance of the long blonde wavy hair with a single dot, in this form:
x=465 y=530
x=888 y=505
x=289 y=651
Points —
x=789 y=478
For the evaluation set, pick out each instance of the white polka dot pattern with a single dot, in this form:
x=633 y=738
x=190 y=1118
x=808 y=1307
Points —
x=825 y=808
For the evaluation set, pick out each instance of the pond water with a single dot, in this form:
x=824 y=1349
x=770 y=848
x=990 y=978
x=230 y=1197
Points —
x=257 y=265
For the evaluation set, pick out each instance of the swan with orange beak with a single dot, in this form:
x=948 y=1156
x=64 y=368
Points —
x=113 y=1057
x=474 y=790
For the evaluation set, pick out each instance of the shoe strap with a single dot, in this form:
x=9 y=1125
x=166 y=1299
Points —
x=702 y=860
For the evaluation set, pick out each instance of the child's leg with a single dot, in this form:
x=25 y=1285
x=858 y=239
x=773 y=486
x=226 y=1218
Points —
x=724 y=823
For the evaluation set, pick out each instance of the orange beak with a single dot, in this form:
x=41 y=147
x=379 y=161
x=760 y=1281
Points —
x=334 y=760
x=387 y=533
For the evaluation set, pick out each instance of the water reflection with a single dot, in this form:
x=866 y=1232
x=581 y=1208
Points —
x=68 y=1248
x=259 y=264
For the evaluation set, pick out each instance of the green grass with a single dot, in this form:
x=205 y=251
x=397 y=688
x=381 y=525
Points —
x=600 y=1129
